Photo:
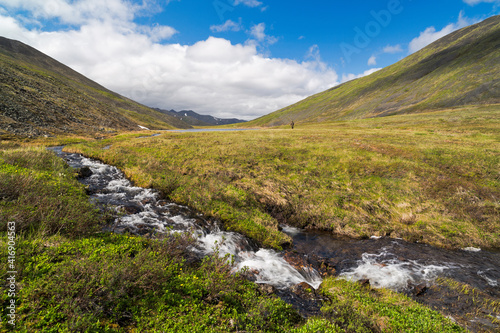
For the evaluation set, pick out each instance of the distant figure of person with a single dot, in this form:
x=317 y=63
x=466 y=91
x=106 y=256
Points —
x=292 y=124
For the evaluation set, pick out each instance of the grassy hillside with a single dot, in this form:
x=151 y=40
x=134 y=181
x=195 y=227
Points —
x=41 y=96
x=460 y=69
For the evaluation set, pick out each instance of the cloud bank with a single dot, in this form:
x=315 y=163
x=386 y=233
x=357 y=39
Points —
x=101 y=41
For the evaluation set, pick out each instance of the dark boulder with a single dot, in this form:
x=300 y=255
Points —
x=420 y=289
x=84 y=172
x=266 y=289
x=364 y=282
x=304 y=290
x=132 y=209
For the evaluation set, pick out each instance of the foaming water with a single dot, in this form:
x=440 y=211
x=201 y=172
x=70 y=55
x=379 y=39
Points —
x=385 y=270
x=272 y=269
x=472 y=249
x=142 y=212
x=396 y=264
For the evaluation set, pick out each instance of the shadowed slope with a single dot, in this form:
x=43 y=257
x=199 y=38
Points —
x=39 y=95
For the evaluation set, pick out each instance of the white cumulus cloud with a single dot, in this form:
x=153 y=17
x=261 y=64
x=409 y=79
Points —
x=372 y=61
x=392 y=49
x=430 y=34
x=249 y=3
x=229 y=25
x=158 y=33
x=77 y=12
x=260 y=39
x=212 y=76
x=258 y=32
x=475 y=2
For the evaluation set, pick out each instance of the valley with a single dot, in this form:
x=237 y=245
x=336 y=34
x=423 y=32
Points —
x=378 y=211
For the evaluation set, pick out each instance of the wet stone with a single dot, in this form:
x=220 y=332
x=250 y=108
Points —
x=308 y=303
x=296 y=260
x=84 y=172
x=147 y=201
x=304 y=289
x=364 y=282
x=123 y=230
x=251 y=274
x=143 y=231
x=487 y=324
x=132 y=209
x=159 y=209
x=266 y=289
x=325 y=268
x=420 y=289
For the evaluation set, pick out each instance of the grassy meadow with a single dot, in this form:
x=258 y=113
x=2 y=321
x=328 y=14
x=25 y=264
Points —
x=430 y=177
x=72 y=277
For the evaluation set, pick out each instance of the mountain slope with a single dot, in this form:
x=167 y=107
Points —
x=40 y=96
x=196 y=119
x=460 y=69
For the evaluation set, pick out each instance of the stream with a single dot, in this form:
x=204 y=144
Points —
x=146 y=214
x=396 y=264
x=409 y=268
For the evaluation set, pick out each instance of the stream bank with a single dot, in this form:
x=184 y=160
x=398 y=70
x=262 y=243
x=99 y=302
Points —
x=414 y=269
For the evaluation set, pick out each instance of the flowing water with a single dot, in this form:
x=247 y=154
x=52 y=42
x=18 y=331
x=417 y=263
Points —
x=396 y=264
x=144 y=213
x=384 y=262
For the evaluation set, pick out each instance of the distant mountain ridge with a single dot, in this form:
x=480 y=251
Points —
x=460 y=69
x=41 y=96
x=194 y=119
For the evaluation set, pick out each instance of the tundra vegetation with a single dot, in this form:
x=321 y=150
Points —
x=383 y=172
x=74 y=277
x=431 y=178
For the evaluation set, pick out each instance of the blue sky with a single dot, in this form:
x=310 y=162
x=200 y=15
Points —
x=232 y=58
x=298 y=25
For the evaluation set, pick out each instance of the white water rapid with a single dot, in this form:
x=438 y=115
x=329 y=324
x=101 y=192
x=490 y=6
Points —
x=144 y=213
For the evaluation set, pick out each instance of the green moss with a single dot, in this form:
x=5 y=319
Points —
x=361 y=309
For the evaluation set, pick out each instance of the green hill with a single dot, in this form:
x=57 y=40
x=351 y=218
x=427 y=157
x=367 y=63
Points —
x=462 y=68
x=41 y=96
